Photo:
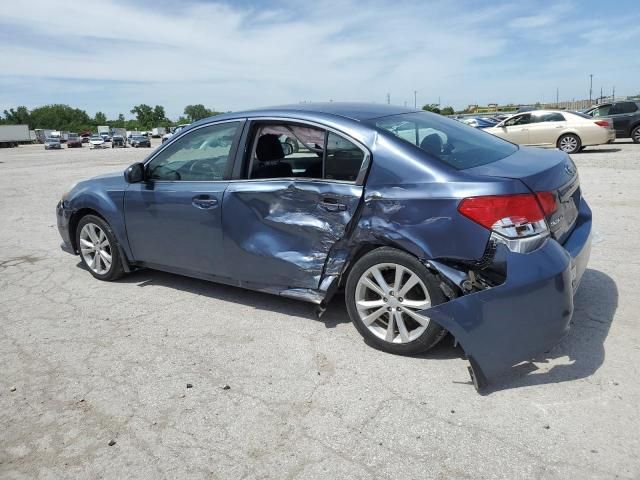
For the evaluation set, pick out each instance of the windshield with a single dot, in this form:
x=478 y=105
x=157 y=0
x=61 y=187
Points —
x=450 y=141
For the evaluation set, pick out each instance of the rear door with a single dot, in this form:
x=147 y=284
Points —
x=173 y=218
x=545 y=128
x=282 y=218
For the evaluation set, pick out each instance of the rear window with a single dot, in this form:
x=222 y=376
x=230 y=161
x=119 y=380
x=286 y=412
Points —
x=450 y=141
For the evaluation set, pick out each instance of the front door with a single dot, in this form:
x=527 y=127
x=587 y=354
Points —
x=622 y=113
x=281 y=222
x=173 y=218
x=515 y=129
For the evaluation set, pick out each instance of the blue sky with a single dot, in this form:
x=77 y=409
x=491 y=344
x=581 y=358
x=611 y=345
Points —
x=111 y=55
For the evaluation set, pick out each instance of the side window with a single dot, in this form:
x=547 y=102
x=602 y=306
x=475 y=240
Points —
x=623 y=107
x=201 y=155
x=343 y=159
x=552 y=117
x=601 y=111
x=301 y=151
x=519 y=120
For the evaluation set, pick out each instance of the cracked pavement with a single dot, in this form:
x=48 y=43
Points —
x=93 y=362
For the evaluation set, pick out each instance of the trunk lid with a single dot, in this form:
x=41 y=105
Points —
x=543 y=171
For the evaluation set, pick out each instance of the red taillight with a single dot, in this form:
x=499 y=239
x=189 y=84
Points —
x=547 y=202
x=487 y=211
x=602 y=123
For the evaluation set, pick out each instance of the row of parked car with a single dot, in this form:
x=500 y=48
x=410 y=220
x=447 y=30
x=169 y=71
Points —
x=98 y=140
x=570 y=131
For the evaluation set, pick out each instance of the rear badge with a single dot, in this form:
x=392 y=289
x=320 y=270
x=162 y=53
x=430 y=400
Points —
x=570 y=169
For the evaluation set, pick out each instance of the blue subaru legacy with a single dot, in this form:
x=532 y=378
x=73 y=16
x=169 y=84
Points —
x=430 y=226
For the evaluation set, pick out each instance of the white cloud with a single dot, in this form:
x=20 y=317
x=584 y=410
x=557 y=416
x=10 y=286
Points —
x=232 y=57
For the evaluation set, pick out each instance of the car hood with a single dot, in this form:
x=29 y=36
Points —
x=109 y=181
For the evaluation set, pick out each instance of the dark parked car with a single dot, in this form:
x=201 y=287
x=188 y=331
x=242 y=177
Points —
x=429 y=225
x=52 y=144
x=625 y=116
x=74 y=141
x=140 y=141
x=118 y=141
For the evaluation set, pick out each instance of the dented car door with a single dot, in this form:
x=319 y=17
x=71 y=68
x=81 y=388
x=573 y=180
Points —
x=279 y=232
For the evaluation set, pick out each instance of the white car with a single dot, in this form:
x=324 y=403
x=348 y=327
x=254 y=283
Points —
x=176 y=130
x=568 y=131
x=96 y=141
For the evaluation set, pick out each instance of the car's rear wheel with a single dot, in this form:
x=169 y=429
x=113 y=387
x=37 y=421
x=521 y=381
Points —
x=385 y=290
x=98 y=248
x=635 y=134
x=569 y=143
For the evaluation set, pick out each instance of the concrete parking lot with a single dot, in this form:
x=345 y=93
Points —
x=277 y=393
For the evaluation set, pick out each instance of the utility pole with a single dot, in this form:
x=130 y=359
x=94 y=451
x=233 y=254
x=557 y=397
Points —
x=415 y=99
x=613 y=96
x=590 y=89
x=388 y=98
x=557 y=97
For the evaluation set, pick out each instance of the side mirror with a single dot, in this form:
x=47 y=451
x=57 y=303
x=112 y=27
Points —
x=135 y=173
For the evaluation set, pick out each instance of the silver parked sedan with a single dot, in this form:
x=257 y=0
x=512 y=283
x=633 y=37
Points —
x=568 y=131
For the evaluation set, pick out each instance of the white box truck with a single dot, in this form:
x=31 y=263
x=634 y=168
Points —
x=158 y=132
x=12 y=135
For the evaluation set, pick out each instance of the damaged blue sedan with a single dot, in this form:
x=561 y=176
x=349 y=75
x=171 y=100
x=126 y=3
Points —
x=430 y=226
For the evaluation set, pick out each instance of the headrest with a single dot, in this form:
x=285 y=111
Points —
x=432 y=144
x=269 y=148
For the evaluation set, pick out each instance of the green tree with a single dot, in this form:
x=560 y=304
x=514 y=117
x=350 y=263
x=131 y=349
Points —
x=198 y=112
x=100 y=119
x=18 y=116
x=159 y=117
x=431 y=107
x=61 y=117
x=144 y=115
x=448 y=111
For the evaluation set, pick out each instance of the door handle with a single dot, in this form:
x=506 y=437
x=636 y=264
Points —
x=204 y=201
x=332 y=205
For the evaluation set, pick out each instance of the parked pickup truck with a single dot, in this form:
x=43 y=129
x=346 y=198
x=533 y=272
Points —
x=625 y=116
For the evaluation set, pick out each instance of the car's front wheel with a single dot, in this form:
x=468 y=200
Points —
x=386 y=289
x=98 y=248
x=569 y=143
x=635 y=134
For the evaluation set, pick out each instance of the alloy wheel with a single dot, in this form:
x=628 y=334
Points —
x=388 y=297
x=95 y=248
x=636 y=135
x=568 y=144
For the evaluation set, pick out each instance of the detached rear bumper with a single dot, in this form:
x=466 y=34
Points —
x=63 y=216
x=529 y=313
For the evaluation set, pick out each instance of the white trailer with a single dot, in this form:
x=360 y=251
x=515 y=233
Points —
x=158 y=132
x=12 y=135
x=42 y=134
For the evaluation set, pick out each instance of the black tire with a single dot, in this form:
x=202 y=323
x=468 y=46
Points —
x=570 y=138
x=116 y=270
x=635 y=134
x=433 y=332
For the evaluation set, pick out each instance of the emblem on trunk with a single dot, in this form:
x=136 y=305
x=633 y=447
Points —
x=570 y=169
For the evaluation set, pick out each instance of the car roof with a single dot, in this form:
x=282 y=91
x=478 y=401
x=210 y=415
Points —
x=354 y=111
